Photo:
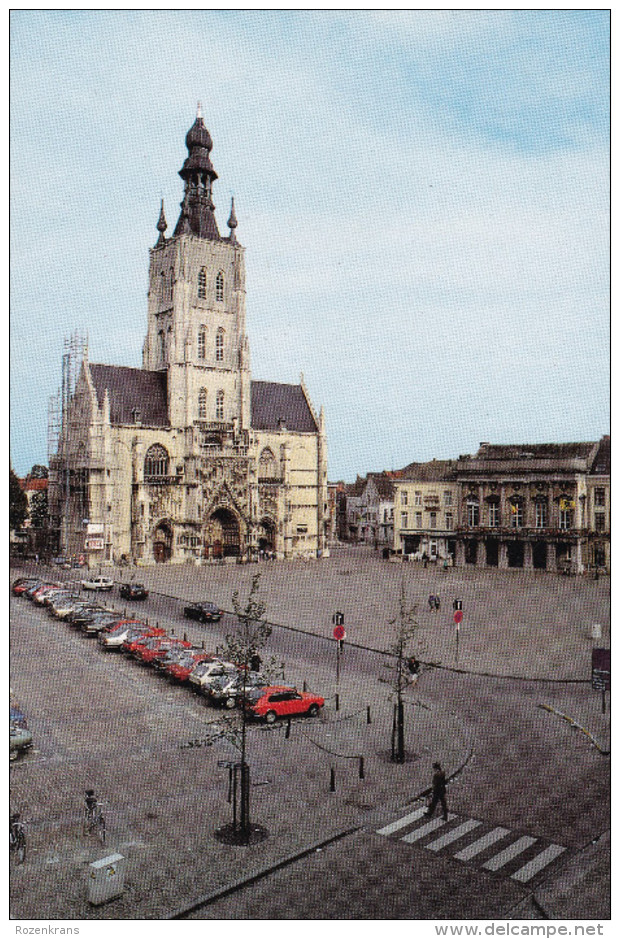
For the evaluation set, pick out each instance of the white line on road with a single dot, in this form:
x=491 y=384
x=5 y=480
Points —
x=536 y=864
x=453 y=835
x=485 y=842
x=514 y=849
x=426 y=829
x=401 y=822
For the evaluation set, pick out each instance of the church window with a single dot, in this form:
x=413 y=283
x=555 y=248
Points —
x=267 y=466
x=171 y=283
x=202 y=342
x=156 y=461
x=202 y=404
x=219 y=286
x=202 y=283
x=219 y=406
x=162 y=345
x=219 y=346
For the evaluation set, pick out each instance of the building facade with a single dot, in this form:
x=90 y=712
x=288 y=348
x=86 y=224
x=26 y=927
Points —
x=426 y=506
x=188 y=457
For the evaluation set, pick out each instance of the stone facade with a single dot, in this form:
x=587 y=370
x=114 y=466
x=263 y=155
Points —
x=426 y=510
x=188 y=458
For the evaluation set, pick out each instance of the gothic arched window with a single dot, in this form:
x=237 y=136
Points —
x=171 y=284
x=267 y=466
x=202 y=283
x=219 y=406
x=219 y=345
x=202 y=404
x=219 y=286
x=162 y=345
x=156 y=461
x=202 y=342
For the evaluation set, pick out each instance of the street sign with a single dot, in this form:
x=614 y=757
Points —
x=601 y=669
x=458 y=604
x=339 y=633
x=338 y=618
x=458 y=617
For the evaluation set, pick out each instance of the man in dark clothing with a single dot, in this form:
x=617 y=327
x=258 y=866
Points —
x=439 y=792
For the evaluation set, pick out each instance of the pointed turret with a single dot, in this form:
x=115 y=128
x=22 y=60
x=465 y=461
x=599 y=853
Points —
x=232 y=221
x=162 y=225
x=197 y=209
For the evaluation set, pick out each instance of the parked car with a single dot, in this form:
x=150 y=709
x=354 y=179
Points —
x=228 y=690
x=139 y=636
x=82 y=611
x=204 y=612
x=31 y=588
x=22 y=584
x=33 y=593
x=201 y=674
x=133 y=591
x=158 y=648
x=96 y=622
x=115 y=637
x=61 y=604
x=20 y=739
x=98 y=583
x=181 y=667
x=280 y=701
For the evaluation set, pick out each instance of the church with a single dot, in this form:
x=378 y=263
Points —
x=188 y=458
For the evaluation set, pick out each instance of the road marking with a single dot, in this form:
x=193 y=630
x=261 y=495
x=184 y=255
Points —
x=512 y=851
x=536 y=864
x=426 y=829
x=485 y=842
x=453 y=835
x=401 y=822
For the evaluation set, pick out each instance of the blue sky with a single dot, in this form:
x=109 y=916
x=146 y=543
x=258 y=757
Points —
x=423 y=197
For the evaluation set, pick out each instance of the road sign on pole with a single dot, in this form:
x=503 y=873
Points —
x=458 y=618
x=338 y=619
x=458 y=604
x=340 y=633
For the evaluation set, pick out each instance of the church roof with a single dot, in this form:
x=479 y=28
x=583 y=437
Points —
x=135 y=394
x=281 y=407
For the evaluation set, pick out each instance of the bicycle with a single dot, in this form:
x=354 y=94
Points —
x=94 y=820
x=17 y=839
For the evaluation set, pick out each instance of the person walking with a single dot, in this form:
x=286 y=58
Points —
x=439 y=792
x=431 y=602
x=437 y=604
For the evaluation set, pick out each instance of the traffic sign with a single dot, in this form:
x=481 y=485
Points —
x=339 y=633
x=458 y=604
x=338 y=618
x=601 y=669
x=458 y=617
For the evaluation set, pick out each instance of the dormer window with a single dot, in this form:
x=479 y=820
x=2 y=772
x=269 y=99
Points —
x=219 y=286
x=202 y=283
x=219 y=346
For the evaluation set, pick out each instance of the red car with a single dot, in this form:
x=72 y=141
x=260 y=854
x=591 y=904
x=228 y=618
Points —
x=139 y=636
x=157 y=648
x=181 y=668
x=23 y=583
x=279 y=701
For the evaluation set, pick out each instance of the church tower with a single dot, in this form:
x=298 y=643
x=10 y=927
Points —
x=196 y=306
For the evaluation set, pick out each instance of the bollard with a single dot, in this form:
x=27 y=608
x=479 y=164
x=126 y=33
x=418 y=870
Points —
x=184 y=637
x=337 y=701
x=203 y=644
x=332 y=780
x=288 y=729
x=361 y=768
x=368 y=720
x=305 y=687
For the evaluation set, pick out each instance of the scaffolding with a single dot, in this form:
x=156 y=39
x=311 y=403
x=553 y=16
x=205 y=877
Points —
x=58 y=429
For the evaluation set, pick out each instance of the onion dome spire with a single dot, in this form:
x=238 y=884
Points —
x=232 y=221
x=162 y=225
x=198 y=174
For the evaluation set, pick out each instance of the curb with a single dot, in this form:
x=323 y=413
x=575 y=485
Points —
x=573 y=723
x=210 y=898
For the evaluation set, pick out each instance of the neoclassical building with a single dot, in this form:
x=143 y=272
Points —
x=188 y=457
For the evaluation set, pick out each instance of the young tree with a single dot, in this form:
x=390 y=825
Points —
x=18 y=503
x=38 y=510
x=404 y=627
x=241 y=647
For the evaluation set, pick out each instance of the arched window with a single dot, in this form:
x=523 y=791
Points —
x=202 y=283
x=267 y=466
x=219 y=286
x=162 y=345
x=202 y=404
x=219 y=345
x=156 y=462
x=202 y=342
x=162 y=286
x=171 y=283
x=219 y=406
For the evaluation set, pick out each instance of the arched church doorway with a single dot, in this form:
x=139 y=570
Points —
x=162 y=543
x=267 y=535
x=223 y=537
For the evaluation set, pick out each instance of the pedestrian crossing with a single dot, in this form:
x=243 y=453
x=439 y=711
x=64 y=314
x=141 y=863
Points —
x=520 y=857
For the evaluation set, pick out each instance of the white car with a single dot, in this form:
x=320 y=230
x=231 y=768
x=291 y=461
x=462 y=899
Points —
x=209 y=670
x=98 y=583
